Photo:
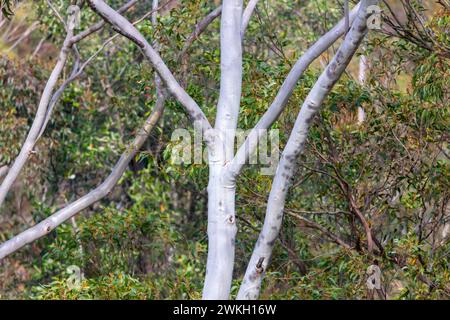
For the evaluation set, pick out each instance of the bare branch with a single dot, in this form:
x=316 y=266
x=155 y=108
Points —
x=126 y=28
x=199 y=28
x=346 y=16
x=101 y=24
x=247 y=15
x=321 y=228
x=57 y=14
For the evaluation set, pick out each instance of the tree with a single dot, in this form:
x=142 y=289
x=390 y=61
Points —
x=225 y=165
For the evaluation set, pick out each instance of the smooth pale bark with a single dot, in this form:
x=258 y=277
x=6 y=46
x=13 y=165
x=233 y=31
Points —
x=221 y=195
x=126 y=28
x=262 y=252
x=230 y=74
x=221 y=236
x=362 y=75
x=346 y=16
x=247 y=15
x=199 y=28
x=39 y=120
x=47 y=225
x=363 y=66
x=160 y=96
x=283 y=95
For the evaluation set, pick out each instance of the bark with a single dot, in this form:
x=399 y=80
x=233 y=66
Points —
x=247 y=15
x=363 y=66
x=261 y=255
x=230 y=74
x=362 y=75
x=160 y=94
x=346 y=16
x=221 y=194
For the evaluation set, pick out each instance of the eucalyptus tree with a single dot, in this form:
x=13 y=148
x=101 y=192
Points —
x=224 y=163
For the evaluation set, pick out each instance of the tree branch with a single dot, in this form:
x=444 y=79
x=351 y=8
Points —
x=199 y=28
x=39 y=120
x=321 y=228
x=247 y=15
x=126 y=28
x=101 y=24
x=275 y=207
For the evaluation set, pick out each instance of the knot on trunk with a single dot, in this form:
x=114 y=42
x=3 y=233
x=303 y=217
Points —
x=259 y=267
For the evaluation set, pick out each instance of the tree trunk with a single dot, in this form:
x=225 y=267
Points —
x=221 y=191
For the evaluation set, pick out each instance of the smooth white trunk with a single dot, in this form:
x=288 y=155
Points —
x=221 y=235
x=221 y=191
